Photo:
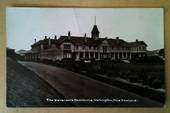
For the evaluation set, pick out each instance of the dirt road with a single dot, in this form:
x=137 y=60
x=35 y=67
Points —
x=75 y=86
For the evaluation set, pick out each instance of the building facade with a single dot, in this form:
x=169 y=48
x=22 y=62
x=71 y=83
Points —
x=83 y=47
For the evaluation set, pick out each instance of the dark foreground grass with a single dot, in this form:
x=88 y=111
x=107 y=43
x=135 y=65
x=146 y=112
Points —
x=26 y=89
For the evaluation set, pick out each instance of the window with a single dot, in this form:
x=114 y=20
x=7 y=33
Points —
x=67 y=55
x=91 y=55
x=104 y=48
x=140 y=48
x=67 y=46
x=84 y=47
x=87 y=47
x=81 y=55
x=90 y=47
x=86 y=55
x=77 y=47
x=96 y=55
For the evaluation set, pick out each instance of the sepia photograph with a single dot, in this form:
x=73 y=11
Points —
x=85 y=57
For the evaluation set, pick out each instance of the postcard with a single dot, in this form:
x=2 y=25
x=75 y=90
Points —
x=85 y=57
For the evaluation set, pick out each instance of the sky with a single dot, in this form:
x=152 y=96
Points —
x=25 y=24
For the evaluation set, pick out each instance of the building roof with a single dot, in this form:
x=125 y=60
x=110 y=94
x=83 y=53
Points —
x=45 y=41
x=76 y=40
x=80 y=40
x=90 y=41
x=137 y=43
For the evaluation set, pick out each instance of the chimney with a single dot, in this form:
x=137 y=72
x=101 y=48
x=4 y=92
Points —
x=69 y=35
x=55 y=37
x=136 y=40
x=85 y=37
x=35 y=40
x=49 y=42
x=45 y=37
x=117 y=40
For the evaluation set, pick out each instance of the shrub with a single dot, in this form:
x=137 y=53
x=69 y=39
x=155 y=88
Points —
x=156 y=83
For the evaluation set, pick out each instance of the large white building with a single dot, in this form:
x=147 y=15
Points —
x=83 y=47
